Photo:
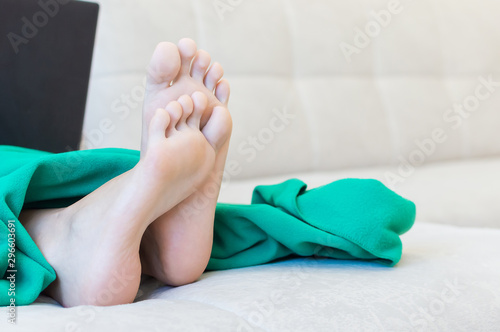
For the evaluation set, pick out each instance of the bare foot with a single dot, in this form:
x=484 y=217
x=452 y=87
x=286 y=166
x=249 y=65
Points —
x=177 y=246
x=93 y=245
x=181 y=70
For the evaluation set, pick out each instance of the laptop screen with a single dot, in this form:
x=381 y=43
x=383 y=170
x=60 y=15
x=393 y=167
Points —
x=46 y=49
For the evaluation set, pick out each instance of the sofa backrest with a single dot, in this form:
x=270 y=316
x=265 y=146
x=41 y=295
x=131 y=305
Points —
x=316 y=85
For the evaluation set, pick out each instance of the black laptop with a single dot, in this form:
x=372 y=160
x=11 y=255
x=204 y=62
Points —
x=46 y=49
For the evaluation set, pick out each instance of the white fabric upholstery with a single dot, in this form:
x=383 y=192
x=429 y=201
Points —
x=464 y=193
x=286 y=55
x=448 y=282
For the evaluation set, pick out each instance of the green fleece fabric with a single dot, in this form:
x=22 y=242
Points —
x=347 y=219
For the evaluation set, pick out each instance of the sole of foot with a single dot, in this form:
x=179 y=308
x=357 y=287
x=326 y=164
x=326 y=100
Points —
x=187 y=229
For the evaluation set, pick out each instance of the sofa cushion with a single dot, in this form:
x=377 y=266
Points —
x=462 y=193
x=427 y=66
x=448 y=280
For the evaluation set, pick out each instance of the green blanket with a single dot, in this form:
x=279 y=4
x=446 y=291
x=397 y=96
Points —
x=347 y=219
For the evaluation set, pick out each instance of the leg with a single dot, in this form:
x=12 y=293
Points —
x=93 y=245
x=186 y=230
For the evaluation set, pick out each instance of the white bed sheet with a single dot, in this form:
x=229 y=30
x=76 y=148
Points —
x=447 y=280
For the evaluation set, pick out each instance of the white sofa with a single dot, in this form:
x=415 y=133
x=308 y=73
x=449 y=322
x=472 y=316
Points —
x=407 y=92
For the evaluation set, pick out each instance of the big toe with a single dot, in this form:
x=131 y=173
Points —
x=218 y=128
x=165 y=64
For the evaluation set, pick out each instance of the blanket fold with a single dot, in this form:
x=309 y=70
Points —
x=347 y=219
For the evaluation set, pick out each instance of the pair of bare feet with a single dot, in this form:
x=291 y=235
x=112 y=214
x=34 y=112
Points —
x=157 y=218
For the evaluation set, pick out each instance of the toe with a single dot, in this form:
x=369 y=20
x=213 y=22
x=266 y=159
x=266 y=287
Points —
x=159 y=124
x=200 y=102
x=200 y=65
x=174 y=110
x=164 y=65
x=187 y=51
x=218 y=128
x=187 y=108
x=213 y=76
x=222 y=91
